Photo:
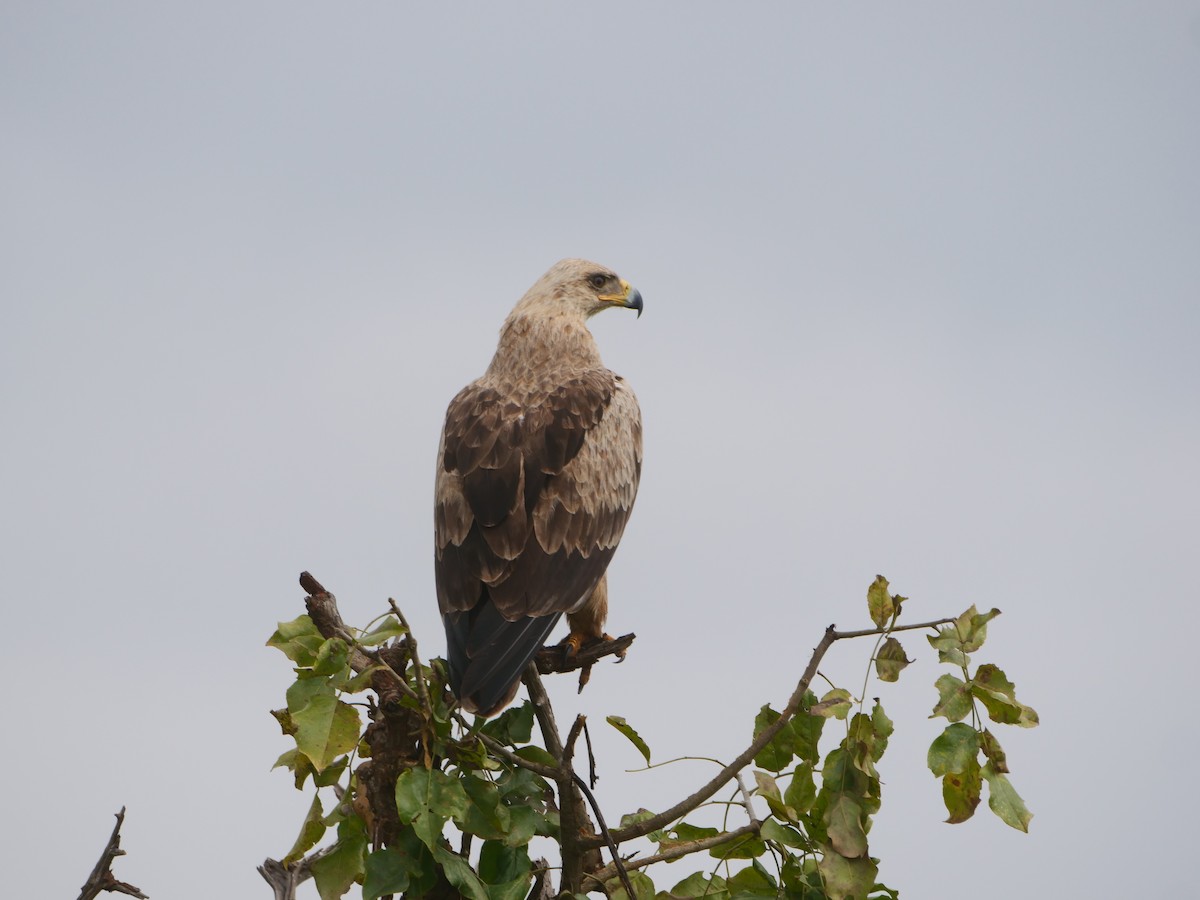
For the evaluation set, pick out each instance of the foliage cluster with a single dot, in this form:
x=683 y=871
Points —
x=465 y=799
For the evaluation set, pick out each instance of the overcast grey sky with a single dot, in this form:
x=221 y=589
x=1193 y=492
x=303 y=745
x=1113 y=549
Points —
x=921 y=288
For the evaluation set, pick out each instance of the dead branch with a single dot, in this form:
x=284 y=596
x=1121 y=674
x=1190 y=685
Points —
x=102 y=878
x=284 y=879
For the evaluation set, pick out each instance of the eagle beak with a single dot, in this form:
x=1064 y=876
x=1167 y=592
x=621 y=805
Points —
x=633 y=300
x=630 y=297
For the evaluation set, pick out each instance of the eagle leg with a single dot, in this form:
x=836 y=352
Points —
x=587 y=622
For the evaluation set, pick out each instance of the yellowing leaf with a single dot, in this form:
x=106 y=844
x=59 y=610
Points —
x=325 y=729
x=835 y=704
x=890 y=660
x=1004 y=801
x=847 y=879
x=310 y=832
x=844 y=822
x=960 y=792
x=879 y=602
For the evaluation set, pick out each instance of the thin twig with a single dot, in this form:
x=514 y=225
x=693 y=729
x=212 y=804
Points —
x=521 y=762
x=592 y=776
x=867 y=632
x=746 y=799
x=411 y=640
x=573 y=735
x=677 y=851
x=617 y=862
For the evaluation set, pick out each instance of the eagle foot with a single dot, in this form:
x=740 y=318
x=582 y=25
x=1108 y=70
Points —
x=576 y=641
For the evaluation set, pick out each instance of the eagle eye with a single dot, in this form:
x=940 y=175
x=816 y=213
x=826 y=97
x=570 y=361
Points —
x=598 y=280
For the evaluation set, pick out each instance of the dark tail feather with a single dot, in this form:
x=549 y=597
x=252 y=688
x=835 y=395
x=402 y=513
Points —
x=487 y=654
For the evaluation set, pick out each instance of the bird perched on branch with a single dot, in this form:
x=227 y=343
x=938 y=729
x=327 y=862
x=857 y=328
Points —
x=537 y=472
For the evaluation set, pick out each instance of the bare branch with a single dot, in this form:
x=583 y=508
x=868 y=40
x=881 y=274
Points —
x=102 y=878
x=868 y=632
x=284 y=879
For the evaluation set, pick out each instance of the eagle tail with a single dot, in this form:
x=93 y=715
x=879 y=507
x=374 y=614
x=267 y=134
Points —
x=487 y=654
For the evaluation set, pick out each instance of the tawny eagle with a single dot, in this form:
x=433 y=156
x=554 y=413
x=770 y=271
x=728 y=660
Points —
x=537 y=472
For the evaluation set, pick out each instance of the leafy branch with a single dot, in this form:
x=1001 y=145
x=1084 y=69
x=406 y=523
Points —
x=427 y=804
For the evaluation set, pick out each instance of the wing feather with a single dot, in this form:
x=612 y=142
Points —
x=531 y=501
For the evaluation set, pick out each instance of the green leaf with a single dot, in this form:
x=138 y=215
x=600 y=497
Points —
x=993 y=751
x=459 y=873
x=770 y=830
x=953 y=750
x=513 y=726
x=684 y=833
x=298 y=639
x=960 y=792
x=333 y=772
x=505 y=870
x=847 y=879
x=972 y=625
x=1004 y=801
x=748 y=846
x=835 y=704
x=389 y=628
x=333 y=656
x=752 y=881
x=806 y=730
x=965 y=635
x=486 y=816
x=325 y=729
x=643 y=887
x=336 y=872
x=536 y=754
x=841 y=776
x=890 y=660
x=698 y=885
x=634 y=817
x=844 y=824
x=767 y=787
x=525 y=822
x=626 y=729
x=386 y=872
x=998 y=695
x=420 y=790
x=883 y=730
x=879 y=602
x=954 y=698
x=802 y=790
x=780 y=749
x=310 y=832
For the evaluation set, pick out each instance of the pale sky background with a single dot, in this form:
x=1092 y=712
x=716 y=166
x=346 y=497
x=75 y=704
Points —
x=921 y=288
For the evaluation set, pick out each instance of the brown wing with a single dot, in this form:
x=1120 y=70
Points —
x=531 y=502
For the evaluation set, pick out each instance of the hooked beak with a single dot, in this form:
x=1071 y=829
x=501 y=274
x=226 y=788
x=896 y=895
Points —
x=630 y=297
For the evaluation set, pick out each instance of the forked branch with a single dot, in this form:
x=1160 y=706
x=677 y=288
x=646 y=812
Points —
x=102 y=878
